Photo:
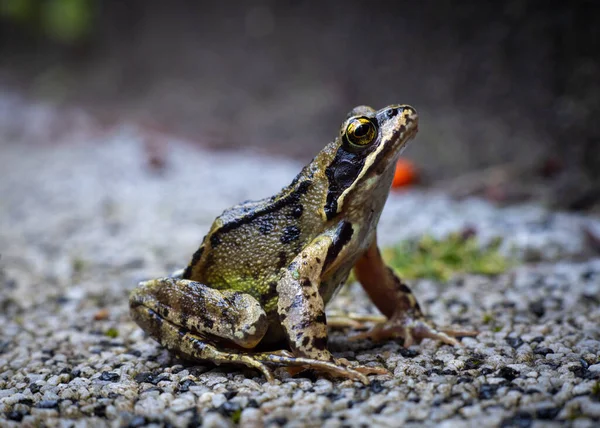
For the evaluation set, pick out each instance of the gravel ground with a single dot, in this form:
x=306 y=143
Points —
x=81 y=224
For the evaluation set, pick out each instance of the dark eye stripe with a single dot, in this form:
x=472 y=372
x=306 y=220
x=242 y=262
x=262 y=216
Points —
x=341 y=174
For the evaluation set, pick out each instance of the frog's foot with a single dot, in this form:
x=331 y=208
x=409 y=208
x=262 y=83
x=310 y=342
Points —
x=412 y=330
x=338 y=367
x=340 y=320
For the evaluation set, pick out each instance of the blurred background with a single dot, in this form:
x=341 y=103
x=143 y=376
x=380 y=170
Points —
x=508 y=92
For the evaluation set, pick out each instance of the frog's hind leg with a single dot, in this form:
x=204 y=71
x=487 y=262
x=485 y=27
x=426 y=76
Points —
x=396 y=301
x=189 y=345
x=190 y=318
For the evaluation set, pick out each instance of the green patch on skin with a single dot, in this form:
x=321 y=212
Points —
x=440 y=259
x=112 y=333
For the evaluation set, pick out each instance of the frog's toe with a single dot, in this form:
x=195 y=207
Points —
x=412 y=331
x=267 y=373
x=337 y=368
x=362 y=369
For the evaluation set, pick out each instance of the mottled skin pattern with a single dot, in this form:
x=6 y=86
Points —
x=256 y=289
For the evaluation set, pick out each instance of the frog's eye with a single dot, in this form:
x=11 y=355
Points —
x=361 y=132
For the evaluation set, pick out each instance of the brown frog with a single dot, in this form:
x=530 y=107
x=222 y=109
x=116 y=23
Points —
x=255 y=291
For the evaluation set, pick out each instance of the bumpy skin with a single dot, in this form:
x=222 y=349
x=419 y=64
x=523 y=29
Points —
x=255 y=291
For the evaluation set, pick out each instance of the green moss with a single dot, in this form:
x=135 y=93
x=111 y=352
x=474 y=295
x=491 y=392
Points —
x=487 y=318
x=236 y=415
x=112 y=333
x=66 y=21
x=595 y=394
x=439 y=259
x=78 y=265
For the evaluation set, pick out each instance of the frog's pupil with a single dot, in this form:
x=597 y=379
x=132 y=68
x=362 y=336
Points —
x=361 y=130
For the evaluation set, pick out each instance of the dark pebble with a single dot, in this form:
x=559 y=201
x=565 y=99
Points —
x=228 y=408
x=100 y=410
x=543 y=351
x=508 y=373
x=281 y=420
x=408 y=353
x=61 y=300
x=487 y=391
x=75 y=373
x=47 y=404
x=537 y=308
x=578 y=371
x=520 y=420
x=514 y=342
x=334 y=396
x=230 y=394
x=16 y=416
x=486 y=371
x=473 y=363
x=252 y=404
x=449 y=372
x=547 y=413
x=588 y=274
x=34 y=387
x=376 y=386
x=26 y=401
x=185 y=385
x=109 y=377
x=326 y=415
x=144 y=377
x=160 y=378
x=538 y=339
x=464 y=379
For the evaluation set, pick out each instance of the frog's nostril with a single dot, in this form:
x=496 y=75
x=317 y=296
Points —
x=391 y=112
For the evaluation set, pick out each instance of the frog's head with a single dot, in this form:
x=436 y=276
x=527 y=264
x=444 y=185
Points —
x=368 y=148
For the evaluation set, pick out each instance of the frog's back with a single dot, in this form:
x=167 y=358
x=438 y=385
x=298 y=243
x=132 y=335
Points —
x=250 y=243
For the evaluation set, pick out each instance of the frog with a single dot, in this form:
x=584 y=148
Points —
x=255 y=291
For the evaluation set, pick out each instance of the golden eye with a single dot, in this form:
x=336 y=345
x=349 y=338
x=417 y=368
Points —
x=361 y=131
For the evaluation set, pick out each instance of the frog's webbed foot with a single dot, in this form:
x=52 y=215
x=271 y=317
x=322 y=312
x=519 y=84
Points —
x=413 y=329
x=339 y=367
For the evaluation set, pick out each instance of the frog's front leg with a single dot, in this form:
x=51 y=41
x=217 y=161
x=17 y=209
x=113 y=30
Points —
x=190 y=318
x=396 y=301
x=302 y=311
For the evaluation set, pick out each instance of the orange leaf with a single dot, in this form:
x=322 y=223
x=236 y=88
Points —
x=405 y=175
